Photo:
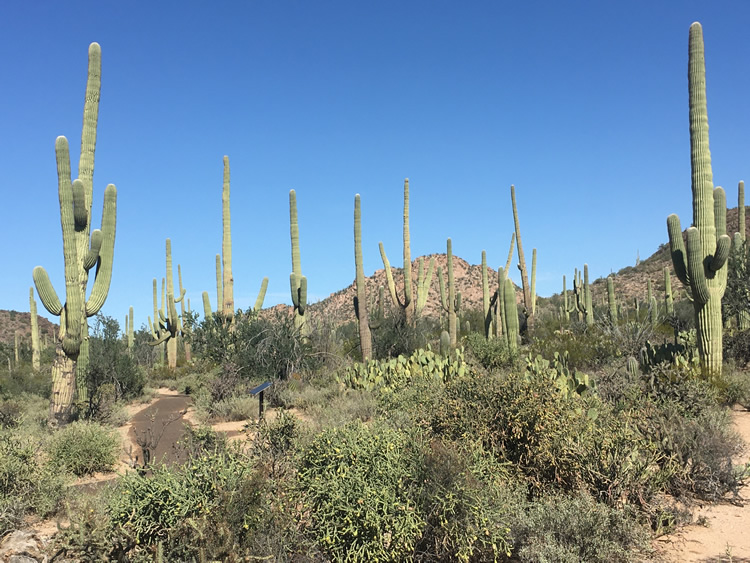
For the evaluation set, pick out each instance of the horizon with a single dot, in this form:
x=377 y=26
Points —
x=582 y=106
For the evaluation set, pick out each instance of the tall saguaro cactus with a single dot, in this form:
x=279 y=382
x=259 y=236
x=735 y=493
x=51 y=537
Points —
x=584 y=301
x=226 y=246
x=411 y=308
x=83 y=249
x=528 y=289
x=297 y=281
x=701 y=263
x=360 y=301
x=35 y=348
x=611 y=302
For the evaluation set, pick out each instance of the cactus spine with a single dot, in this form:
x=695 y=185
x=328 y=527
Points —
x=411 y=309
x=82 y=249
x=35 y=348
x=360 y=301
x=451 y=303
x=701 y=264
x=297 y=281
x=528 y=290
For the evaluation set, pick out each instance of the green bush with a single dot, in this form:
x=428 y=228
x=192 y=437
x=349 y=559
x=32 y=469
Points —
x=26 y=483
x=564 y=529
x=468 y=501
x=207 y=507
x=84 y=448
x=357 y=482
x=491 y=354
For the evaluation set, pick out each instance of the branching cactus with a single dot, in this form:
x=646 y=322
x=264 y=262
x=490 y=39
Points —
x=36 y=353
x=451 y=303
x=566 y=310
x=406 y=302
x=583 y=296
x=297 y=281
x=701 y=262
x=360 y=301
x=83 y=249
x=168 y=326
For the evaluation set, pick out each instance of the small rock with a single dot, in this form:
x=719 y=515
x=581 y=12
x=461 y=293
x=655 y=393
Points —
x=21 y=547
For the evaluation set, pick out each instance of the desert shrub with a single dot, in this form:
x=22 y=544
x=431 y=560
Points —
x=26 y=483
x=84 y=448
x=737 y=347
x=207 y=507
x=357 y=481
x=588 y=347
x=563 y=529
x=261 y=347
x=200 y=440
x=24 y=380
x=734 y=387
x=467 y=499
x=113 y=374
x=393 y=336
x=491 y=354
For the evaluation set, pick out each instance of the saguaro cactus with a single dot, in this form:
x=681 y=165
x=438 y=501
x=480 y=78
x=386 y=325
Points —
x=611 y=302
x=82 y=250
x=129 y=329
x=297 y=281
x=168 y=325
x=360 y=301
x=701 y=263
x=35 y=349
x=226 y=246
x=529 y=298
x=583 y=295
x=411 y=308
x=451 y=303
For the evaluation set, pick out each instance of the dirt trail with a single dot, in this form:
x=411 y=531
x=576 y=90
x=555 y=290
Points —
x=725 y=537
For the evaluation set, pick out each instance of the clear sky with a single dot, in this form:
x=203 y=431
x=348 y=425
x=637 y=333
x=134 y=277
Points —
x=581 y=105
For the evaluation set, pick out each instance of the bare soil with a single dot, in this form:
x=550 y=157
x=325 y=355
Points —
x=721 y=532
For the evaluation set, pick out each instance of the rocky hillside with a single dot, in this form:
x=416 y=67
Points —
x=13 y=321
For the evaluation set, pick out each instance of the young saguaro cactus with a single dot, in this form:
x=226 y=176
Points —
x=227 y=306
x=411 y=308
x=35 y=348
x=611 y=302
x=451 y=303
x=83 y=249
x=701 y=263
x=360 y=301
x=297 y=281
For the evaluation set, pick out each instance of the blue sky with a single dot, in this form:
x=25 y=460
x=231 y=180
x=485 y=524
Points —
x=581 y=105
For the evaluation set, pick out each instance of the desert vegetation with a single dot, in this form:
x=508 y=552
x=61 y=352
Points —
x=472 y=421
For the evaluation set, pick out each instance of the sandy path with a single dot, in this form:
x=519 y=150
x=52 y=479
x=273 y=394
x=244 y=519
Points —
x=725 y=537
